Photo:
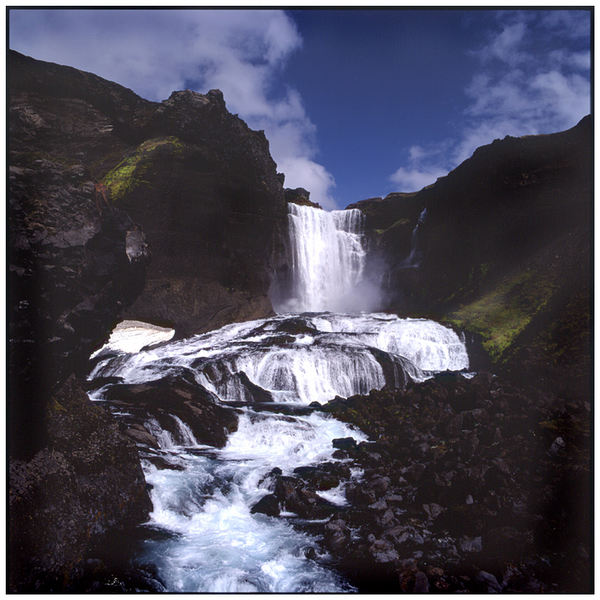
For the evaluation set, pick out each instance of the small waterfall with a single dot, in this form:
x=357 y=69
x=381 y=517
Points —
x=327 y=258
x=413 y=260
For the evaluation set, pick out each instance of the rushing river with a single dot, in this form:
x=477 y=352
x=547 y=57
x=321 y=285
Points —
x=270 y=372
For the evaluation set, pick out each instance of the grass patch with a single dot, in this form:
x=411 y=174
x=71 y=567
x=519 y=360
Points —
x=500 y=315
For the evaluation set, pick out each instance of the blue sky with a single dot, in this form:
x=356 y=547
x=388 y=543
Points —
x=355 y=103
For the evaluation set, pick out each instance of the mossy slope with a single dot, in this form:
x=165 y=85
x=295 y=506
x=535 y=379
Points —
x=132 y=171
x=502 y=313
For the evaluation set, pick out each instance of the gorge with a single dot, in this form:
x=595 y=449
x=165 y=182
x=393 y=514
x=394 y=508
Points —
x=362 y=400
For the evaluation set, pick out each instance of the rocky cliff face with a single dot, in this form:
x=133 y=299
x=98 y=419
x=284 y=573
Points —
x=74 y=262
x=208 y=196
x=97 y=176
x=505 y=252
x=201 y=184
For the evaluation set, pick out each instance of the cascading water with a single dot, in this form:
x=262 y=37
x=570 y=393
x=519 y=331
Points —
x=413 y=260
x=327 y=258
x=270 y=371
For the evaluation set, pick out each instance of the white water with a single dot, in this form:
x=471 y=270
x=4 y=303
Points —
x=211 y=541
x=219 y=545
x=337 y=359
x=327 y=258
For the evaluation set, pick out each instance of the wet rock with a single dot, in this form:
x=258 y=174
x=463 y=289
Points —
x=407 y=569
x=268 y=505
x=383 y=551
x=140 y=435
x=160 y=462
x=468 y=544
x=175 y=396
x=324 y=477
x=558 y=447
x=489 y=581
x=337 y=534
x=295 y=497
x=254 y=392
x=344 y=443
x=388 y=520
x=433 y=510
x=380 y=485
x=359 y=496
x=380 y=505
x=421 y=583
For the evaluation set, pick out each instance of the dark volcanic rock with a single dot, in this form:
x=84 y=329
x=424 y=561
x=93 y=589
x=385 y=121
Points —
x=74 y=262
x=299 y=196
x=69 y=276
x=466 y=480
x=297 y=497
x=170 y=397
x=202 y=185
x=268 y=505
x=86 y=483
x=506 y=247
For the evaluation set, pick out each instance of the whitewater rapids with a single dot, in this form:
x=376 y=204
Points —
x=210 y=541
x=275 y=373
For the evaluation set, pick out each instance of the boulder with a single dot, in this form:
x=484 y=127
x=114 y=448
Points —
x=267 y=505
x=84 y=487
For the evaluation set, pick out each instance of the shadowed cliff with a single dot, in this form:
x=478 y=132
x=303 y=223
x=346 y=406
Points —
x=505 y=250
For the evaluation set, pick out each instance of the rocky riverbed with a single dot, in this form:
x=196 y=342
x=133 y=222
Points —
x=469 y=485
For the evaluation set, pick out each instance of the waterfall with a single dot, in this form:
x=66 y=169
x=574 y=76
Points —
x=413 y=260
x=271 y=372
x=327 y=258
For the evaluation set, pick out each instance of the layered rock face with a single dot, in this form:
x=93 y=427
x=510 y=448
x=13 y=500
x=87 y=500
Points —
x=505 y=252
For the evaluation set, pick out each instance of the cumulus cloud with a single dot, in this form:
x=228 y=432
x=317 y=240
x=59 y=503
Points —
x=521 y=89
x=153 y=52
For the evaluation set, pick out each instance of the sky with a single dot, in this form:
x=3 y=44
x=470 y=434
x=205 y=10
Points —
x=355 y=103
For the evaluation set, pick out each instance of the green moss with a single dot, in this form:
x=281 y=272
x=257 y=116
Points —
x=130 y=172
x=502 y=314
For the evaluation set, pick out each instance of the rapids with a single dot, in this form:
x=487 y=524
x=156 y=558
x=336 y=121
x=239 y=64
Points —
x=203 y=536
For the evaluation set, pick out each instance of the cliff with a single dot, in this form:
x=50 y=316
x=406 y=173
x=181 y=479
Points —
x=169 y=212
x=201 y=184
x=74 y=262
x=505 y=249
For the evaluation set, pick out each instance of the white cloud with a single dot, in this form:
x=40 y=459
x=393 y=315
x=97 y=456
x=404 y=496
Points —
x=414 y=179
x=521 y=90
x=299 y=170
x=506 y=45
x=241 y=52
